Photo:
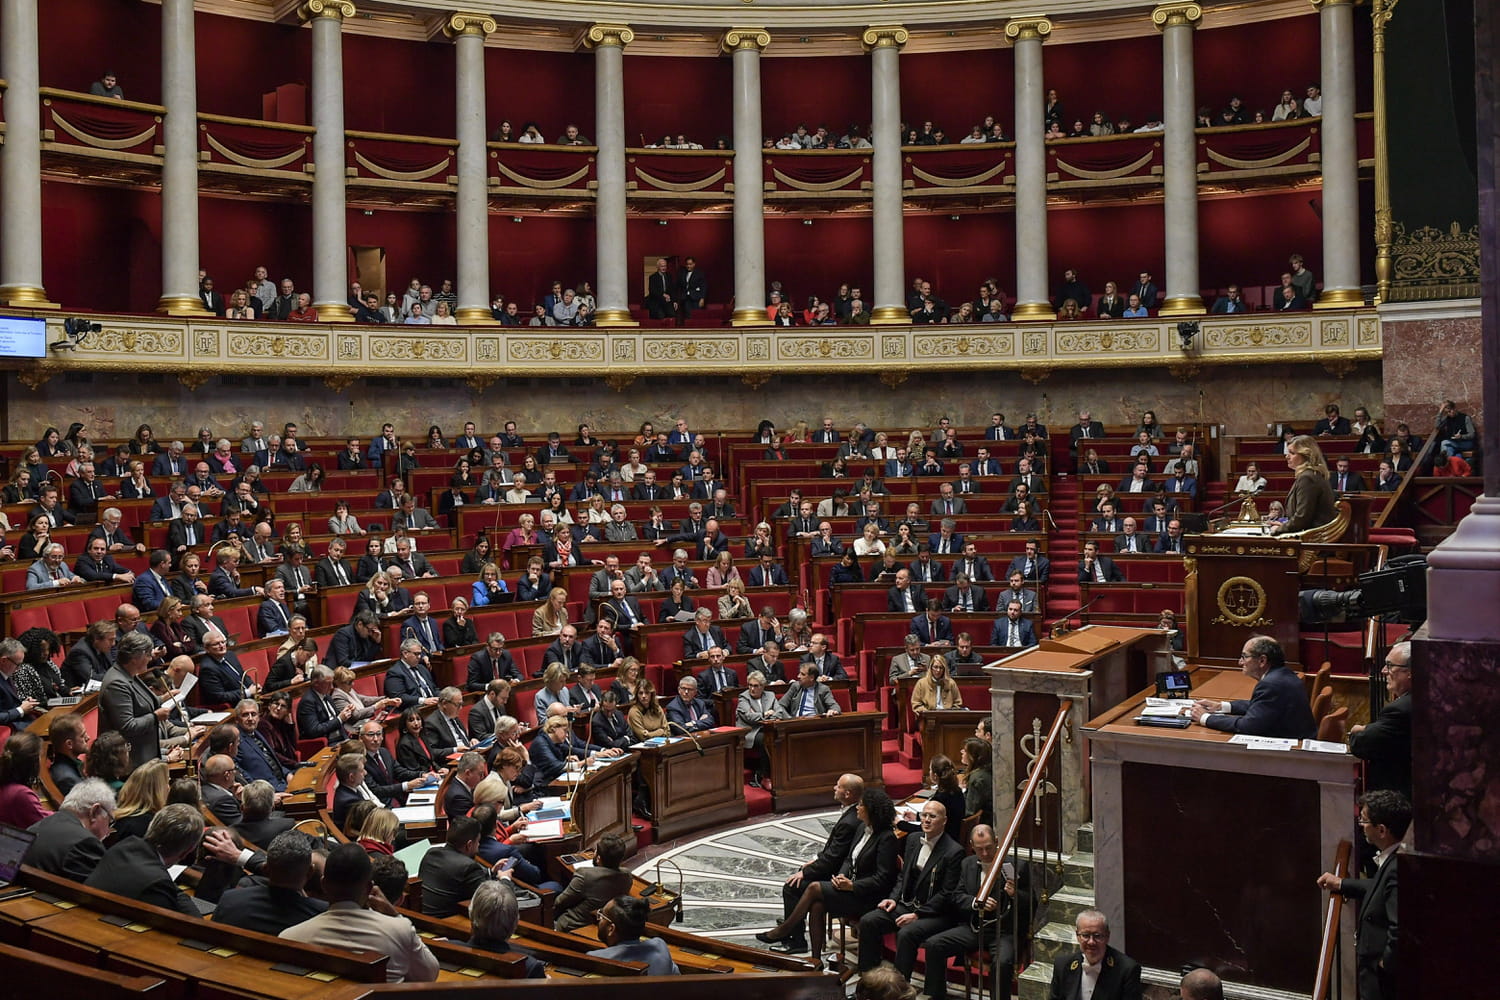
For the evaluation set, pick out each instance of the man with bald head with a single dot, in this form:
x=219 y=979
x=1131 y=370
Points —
x=1201 y=984
x=846 y=792
x=221 y=788
x=915 y=907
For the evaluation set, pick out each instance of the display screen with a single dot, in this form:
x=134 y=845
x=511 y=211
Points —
x=22 y=337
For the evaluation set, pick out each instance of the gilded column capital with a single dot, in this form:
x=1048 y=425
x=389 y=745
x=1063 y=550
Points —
x=1022 y=29
x=339 y=10
x=462 y=23
x=745 y=38
x=884 y=36
x=603 y=35
x=1172 y=15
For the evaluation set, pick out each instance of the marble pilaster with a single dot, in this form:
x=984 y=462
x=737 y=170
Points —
x=1032 y=302
x=21 y=160
x=611 y=249
x=745 y=46
x=1340 y=158
x=1180 y=158
x=884 y=45
x=179 y=170
x=472 y=204
x=330 y=234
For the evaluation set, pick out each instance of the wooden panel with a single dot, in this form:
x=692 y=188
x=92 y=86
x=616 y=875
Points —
x=696 y=786
x=809 y=755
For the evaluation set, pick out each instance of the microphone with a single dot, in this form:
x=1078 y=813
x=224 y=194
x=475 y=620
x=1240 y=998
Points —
x=1062 y=623
x=688 y=733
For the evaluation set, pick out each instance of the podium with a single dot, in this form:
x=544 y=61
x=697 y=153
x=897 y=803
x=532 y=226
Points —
x=601 y=803
x=808 y=756
x=695 y=785
x=1238 y=586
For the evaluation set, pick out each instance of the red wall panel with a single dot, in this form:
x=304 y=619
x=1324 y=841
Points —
x=417 y=244
x=549 y=88
x=830 y=91
x=957 y=254
x=1256 y=61
x=1248 y=239
x=241 y=59
x=101 y=247
x=237 y=235
x=1121 y=78
x=398 y=86
x=527 y=256
x=80 y=39
x=708 y=239
x=988 y=88
x=689 y=96
x=816 y=259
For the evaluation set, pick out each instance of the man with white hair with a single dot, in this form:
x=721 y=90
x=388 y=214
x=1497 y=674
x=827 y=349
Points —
x=70 y=842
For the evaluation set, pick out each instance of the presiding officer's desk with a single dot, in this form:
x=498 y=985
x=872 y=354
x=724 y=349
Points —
x=1210 y=849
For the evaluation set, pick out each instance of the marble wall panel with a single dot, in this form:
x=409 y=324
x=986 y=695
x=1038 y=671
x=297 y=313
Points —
x=1428 y=361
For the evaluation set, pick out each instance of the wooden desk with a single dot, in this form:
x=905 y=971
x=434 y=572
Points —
x=601 y=805
x=1249 y=832
x=944 y=732
x=809 y=755
x=696 y=786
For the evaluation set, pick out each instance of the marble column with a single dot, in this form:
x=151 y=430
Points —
x=21 y=160
x=884 y=45
x=1179 y=153
x=330 y=240
x=472 y=203
x=611 y=248
x=179 y=170
x=1340 y=159
x=745 y=46
x=1032 y=301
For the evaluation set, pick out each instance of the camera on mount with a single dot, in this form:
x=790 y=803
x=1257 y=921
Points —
x=1186 y=331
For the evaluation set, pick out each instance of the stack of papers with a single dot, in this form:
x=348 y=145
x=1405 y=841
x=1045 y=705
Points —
x=1323 y=746
x=1263 y=742
x=416 y=814
x=550 y=830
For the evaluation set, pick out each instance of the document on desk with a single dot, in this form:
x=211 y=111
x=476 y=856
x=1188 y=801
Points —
x=1263 y=742
x=421 y=798
x=1166 y=708
x=657 y=741
x=416 y=814
x=1324 y=746
x=550 y=830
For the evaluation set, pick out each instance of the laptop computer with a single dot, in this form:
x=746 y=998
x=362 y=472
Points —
x=14 y=843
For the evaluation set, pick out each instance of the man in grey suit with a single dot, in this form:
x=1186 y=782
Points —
x=807 y=697
x=126 y=704
x=1384 y=816
x=592 y=887
x=621 y=927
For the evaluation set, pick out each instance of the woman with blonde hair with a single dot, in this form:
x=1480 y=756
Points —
x=377 y=834
x=722 y=571
x=799 y=434
x=550 y=618
x=363 y=705
x=732 y=603
x=143 y=796
x=935 y=689
x=1310 y=502
x=168 y=630
x=376 y=596
x=760 y=543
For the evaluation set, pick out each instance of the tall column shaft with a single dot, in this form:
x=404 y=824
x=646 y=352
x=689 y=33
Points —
x=1032 y=301
x=473 y=200
x=884 y=45
x=1180 y=176
x=21 y=160
x=611 y=247
x=746 y=45
x=330 y=238
x=179 y=171
x=1340 y=159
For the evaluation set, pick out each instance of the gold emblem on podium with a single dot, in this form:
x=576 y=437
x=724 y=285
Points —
x=1242 y=601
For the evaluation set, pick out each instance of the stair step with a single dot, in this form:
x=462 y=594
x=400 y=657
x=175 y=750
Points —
x=1086 y=838
x=1078 y=871
x=1052 y=940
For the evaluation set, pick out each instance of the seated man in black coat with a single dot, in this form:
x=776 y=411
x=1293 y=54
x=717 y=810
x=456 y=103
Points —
x=282 y=901
x=1277 y=707
x=449 y=872
x=357 y=642
x=137 y=867
x=688 y=711
x=70 y=842
x=493 y=662
x=1094 y=568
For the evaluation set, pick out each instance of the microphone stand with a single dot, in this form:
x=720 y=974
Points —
x=689 y=734
x=1062 y=623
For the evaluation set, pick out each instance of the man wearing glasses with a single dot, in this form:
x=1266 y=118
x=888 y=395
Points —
x=1277 y=707
x=1095 y=970
x=1385 y=744
x=1384 y=816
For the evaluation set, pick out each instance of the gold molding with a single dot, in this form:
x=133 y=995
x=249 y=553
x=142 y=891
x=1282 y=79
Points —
x=1320 y=5
x=1033 y=310
x=605 y=35
x=753 y=39
x=1172 y=15
x=1430 y=264
x=884 y=36
x=468 y=23
x=1381 y=12
x=340 y=10
x=1025 y=29
x=181 y=305
x=26 y=297
x=1182 y=305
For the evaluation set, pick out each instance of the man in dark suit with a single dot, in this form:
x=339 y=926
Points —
x=1333 y=423
x=659 y=289
x=137 y=867
x=718 y=676
x=1116 y=976
x=1011 y=630
x=825 y=663
x=1094 y=568
x=449 y=872
x=409 y=679
x=1385 y=744
x=491 y=663
x=1277 y=707
x=281 y=902
x=317 y=717
x=96 y=565
x=692 y=288
x=89 y=658
x=220 y=787
x=151 y=587
x=443 y=731
x=1171 y=540
x=1086 y=429
x=689 y=711
x=974 y=565
x=1230 y=302
x=259 y=822
x=933 y=627
x=357 y=642
x=768 y=574
x=387 y=781
x=255 y=759
x=929 y=872
x=1384 y=816
x=1344 y=481
x=592 y=887
x=703 y=636
x=70 y=842
x=349 y=772
x=1033 y=566
x=458 y=799
x=905 y=595
x=222 y=679
x=964 y=596
x=755 y=634
x=332 y=570
x=846 y=792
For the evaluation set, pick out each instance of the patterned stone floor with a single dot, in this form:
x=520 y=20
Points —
x=732 y=879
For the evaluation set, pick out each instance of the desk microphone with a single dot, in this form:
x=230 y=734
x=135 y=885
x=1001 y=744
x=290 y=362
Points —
x=689 y=734
x=1063 y=621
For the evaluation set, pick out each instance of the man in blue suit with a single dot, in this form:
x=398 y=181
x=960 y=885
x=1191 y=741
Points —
x=1033 y=566
x=1013 y=630
x=151 y=586
x=223 y=680
x=933 y=627
x=1277 y=707
x=409 y=679
x=254 y=757
x=769 y=573
x=622 y=924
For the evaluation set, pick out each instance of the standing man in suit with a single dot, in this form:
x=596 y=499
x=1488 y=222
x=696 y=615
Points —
x=1384 y=816
x=914 y=910
x=692 y=288
x=126 y=704
x=1277 y=707
x=1385 y=744
x=1109 y=973
x=846 y=792
x=659 y=286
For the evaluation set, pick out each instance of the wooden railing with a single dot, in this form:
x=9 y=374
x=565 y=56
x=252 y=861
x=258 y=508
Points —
x=1328 y=950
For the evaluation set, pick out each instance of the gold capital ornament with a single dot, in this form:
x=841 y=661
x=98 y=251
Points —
x=1025 y=29
x=754 y=39
x=884 y=36
x=463 y=23
x=602 y=35
x=340 y=10
x=1171 y=15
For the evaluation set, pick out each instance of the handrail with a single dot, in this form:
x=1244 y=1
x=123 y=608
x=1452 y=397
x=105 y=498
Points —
x=1400 y=500
x=1324 y=979
x=109 y=102
x=1038 y=775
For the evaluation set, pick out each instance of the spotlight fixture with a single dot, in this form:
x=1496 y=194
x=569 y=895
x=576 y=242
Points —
x=1186 y=331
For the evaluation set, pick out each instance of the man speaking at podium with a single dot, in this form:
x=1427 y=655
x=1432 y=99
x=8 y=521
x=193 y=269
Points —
x=1277 y=707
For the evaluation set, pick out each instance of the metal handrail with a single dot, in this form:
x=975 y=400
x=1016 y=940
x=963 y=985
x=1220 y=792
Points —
x=1038 y=775
x=1328 y=947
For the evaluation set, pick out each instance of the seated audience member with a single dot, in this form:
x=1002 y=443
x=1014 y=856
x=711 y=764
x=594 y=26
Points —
x=138 y=867
x=449 y=871
x=1012 y=630
x=593 y=887
x=1277 y=707
x=622 y=922
x=70 y=842
x=493 y=918
x=281 y=901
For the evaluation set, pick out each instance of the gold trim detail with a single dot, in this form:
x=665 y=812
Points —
x=889 y=316
x=1024 y=29
x=754 y=39
x=181 y=305
x=674 y=186
x=1431 y=264
x=600 y=35
x=1182 y=305
x=1270 y=161
x=401 y=175
x=833 y=185
x=1242 y=602
x=1106 y=175
x=750 y=317
x=1381 y=12
x=1171 y=15
x=1033 y=310
x=26 y=297
x=87 y=139
x=337 y=9
x=252 y=162
x=884 y=36
x=560 y=182
x=467 y=23
x=957 y=183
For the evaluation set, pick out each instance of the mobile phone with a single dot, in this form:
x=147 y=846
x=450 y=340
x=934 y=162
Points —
x=1008 y=870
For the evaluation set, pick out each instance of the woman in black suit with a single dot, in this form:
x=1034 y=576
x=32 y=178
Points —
x=866 y=878
x=412 y=753
x=677 y=600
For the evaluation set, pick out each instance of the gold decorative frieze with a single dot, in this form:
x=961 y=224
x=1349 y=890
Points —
x=487 y=350
x=962 y=345
x=1335 y=334
x=693 y=350
x=350 y=348
x=836 y=348
x=128 y=340
x=424 y=348
x=205 y=343
x=1255 y=336
x=552 y=350
x=884 y=36
x=1428 y=263
x=338 y=9
x=893 y=347
x=292 y=346
x=1034 y=343
x=1108 y=341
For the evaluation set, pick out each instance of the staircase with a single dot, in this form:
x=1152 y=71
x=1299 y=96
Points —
x=1056 y=937
x=1062 y=544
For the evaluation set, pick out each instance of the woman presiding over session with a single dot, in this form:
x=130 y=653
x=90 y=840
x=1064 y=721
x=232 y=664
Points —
x=1310 y=502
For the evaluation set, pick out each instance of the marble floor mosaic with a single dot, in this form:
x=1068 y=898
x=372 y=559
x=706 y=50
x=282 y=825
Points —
x=731 y=880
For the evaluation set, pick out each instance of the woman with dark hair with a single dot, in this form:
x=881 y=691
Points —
x=143 y=443
x=38 y=676
x=676 y=601
x=846 y=570
x=978 y=779
x=1024 y=521
x=459 y=629
x=476 y=558
x=50 y=445
x=20 y=766
x=310 y=481
x=412 y=753
x=74 y=439
x=1149 y=425
x=435 y=439
x=463 y=475
x=108 y=759
x=278 y=730
x=945 y=789
x=585 y=438
x=873 y=875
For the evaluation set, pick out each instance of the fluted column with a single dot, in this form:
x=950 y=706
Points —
x=179 y=169
x=745 y=46
x=884 y=45
x=1032 y=301
x=330 y=240
x=468 y=32
x=1180 y=156
x=611 y=250
x=1340 y=159
x=21 y=160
